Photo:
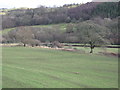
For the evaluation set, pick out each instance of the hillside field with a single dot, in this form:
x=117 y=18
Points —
x=25 y=67
x=61 y=26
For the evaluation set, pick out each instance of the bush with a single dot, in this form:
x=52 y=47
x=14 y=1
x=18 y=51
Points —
x=57 y=44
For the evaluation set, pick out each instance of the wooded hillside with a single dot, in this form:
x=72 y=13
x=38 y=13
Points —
x=65 y=14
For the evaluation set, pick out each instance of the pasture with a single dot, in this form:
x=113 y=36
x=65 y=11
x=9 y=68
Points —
x=25 y=67
x=61 y=26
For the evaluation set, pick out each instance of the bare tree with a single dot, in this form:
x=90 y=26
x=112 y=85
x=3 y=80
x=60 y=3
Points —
x=24 y=35
x=93 y=34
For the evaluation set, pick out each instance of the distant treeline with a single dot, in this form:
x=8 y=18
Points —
x=96 y=31
x=65 y=14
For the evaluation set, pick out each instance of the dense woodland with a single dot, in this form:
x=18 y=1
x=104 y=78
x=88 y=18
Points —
x=93 y=23
x=65 y=14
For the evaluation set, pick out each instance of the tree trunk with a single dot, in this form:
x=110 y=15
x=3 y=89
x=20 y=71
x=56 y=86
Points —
x=91 y=46
x=91 y=50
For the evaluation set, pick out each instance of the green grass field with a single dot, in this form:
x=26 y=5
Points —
x=25 y=67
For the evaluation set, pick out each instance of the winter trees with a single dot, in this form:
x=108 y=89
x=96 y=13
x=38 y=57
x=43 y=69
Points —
x=92 y=34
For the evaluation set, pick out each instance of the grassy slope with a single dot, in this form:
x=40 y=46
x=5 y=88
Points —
x=44 y=68
x=61 y=26
x=5 y=31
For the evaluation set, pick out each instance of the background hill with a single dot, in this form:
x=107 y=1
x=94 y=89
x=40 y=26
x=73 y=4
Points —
x=65 y=14
x=73 y=23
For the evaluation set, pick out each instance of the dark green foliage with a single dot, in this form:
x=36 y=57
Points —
x=106 y=10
